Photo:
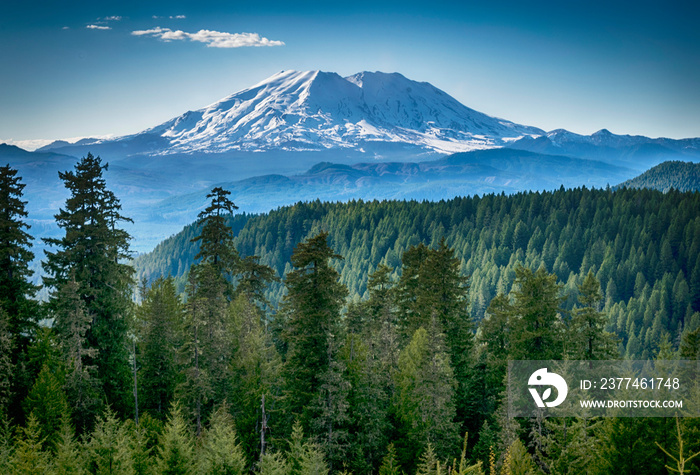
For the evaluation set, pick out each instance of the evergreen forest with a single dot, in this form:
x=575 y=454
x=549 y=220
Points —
x=349 y=338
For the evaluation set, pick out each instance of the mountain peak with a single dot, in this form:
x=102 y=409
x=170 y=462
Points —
x=318 y=110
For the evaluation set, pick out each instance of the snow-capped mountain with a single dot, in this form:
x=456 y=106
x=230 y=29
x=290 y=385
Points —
x=315 y=110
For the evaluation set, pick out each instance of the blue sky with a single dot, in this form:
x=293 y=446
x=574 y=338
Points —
x=75 y=69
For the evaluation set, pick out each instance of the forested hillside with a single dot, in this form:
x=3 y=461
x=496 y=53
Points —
x=338 y=338
x=677 y=175
x=642 y=245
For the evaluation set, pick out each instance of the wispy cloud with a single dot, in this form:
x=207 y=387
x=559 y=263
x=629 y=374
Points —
x=213 y=39
x=172 y=17
x=112 y=18
x=98 y=27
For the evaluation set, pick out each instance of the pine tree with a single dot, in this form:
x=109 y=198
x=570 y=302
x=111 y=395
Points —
x=216 y=238
x=331 y=421
x=69 y=455
x=518 y=461
x=91 y=252
x=273 y=463
x=390 y=465
x=428 y=463
x=425 y=405
x=195 y=389
x=537 y=327
x=255 y=371
x=29 y=458
x=370 y=377
x=48 y=403
x=588 y=338
x=21 y=312
x=108 y=451
x=72 y=321
x=160 y=319
x=142 y=443
x=175 y=452
x=432 y=286
x=16 y=291
x=253 y=280
x=312 y=310
x=304 y=457
x=221 y=454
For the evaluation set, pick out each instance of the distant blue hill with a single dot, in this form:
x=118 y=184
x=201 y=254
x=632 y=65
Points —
x=676 y=175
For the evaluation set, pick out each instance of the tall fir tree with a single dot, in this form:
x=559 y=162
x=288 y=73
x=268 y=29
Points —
x=255 y=374
x=216 y=238
x=432 y=287
x=71 y=322
x=16 y=293
x=425 y=398
x=160 y=319
x=311 y=308
x=108 y=450
x=588 y=338
x=537 y=327
x=92 y=252
x=195 y=388
x=29 y=457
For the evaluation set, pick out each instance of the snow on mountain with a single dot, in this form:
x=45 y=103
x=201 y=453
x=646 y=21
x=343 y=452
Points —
x=317 y=110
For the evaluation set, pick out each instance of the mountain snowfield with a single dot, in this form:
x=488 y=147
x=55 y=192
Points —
x=315 y=110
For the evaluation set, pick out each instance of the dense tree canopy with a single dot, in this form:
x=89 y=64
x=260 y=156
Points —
x=384 y=344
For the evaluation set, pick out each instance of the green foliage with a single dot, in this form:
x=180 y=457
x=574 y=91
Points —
x=390 y=465
x=6 y=365
x=255 y=371
x=667 y=176
x=273 y=464
x=71 y=322
x=91 y=253
x=69 y=454
x=221 y=454
x=587 y=337
x=304 y=457
x=428 y=463
x=29 y=458
x=537 y=326
x=681 y=459
x=425 y=403
x=159 y=320
x=216 y=238
x=108 y=450
x=47 y=402
x=312 y=320
x=518 y=461
x=176 y=454
x=617 y=235
x=19 y=312
x=16 y=290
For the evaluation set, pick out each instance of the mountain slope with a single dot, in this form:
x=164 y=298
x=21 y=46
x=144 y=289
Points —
x=681 y=176
x=634 y=151
x=317 y=110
